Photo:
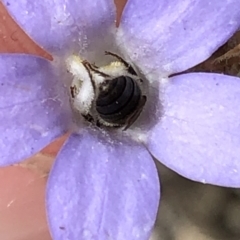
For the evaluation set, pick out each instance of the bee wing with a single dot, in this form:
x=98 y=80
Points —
x=198 y=133
x=33 y=106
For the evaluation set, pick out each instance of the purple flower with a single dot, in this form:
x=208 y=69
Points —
x=104 y=184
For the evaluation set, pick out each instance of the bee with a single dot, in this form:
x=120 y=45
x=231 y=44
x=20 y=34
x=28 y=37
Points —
x=109 y=96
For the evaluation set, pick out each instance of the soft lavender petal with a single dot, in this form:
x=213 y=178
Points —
x=64 y=26
x=33 y=106
x=198 y=130
x=102 y=188
x=166 y=37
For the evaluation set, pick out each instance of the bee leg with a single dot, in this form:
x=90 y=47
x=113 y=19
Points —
x=88 y=65
x=134 y=117
x=98 y=124
x=72 y=91
x=92 y=68
x=88 y=118
x=127 y=65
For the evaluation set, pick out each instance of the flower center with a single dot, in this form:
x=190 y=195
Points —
x=107 y=96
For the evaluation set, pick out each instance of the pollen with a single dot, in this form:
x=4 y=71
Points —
x=74 y=65
x=81 y=90
x=114 y=69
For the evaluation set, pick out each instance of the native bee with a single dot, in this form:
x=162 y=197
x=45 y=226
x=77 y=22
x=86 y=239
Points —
x=109 y=96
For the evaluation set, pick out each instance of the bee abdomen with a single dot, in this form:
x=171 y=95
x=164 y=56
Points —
x=119 y=100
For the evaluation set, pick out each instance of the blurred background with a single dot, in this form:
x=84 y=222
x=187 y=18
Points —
x=190 y=210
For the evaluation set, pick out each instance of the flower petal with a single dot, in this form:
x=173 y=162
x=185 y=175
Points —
x=166 y=37
x=62 y=26
x=33 y=106
x=198 y=134
x=100 y=188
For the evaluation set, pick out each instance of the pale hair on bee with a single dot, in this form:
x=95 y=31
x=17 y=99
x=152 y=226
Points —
x=110 y=96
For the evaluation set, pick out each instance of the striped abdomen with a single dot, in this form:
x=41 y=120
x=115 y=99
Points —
x=119 y=101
